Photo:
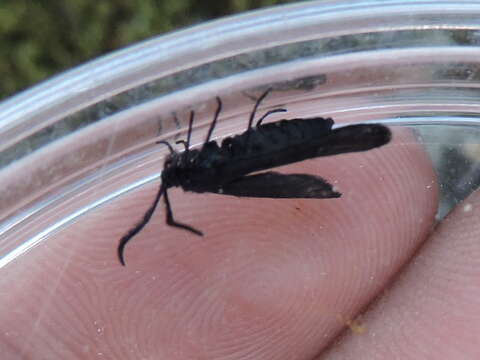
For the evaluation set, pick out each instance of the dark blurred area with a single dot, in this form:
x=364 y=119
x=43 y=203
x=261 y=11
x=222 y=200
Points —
x=41 y=38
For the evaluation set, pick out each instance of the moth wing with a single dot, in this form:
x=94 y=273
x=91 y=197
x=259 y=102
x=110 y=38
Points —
x=275 y=185
x=353 y=138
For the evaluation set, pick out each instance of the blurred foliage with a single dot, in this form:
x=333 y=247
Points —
x=41 y=38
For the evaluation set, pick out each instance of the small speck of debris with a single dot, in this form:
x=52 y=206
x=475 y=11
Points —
x=356 y=327
x=467 y=207
x=354 y=324
x=429 y=186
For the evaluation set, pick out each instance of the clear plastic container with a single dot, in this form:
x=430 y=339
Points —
x=80 y=165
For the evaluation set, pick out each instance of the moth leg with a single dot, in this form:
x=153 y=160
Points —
x=215 y=118
x=190 y=126
x=172 y=151
x=186 y=143
x=182 y=142
x=259 y=122
x=172 y=222
x=257 y=104
x=140 y=225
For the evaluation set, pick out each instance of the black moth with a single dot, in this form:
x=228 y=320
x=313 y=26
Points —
x=226 y=169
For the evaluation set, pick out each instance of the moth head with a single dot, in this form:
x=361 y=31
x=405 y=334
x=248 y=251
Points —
x=170 y=173
x=169 y=161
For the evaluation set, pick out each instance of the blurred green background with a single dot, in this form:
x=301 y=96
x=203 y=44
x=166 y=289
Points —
x=41 y=38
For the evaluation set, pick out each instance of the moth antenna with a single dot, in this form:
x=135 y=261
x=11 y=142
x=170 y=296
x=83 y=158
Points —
x=259 y=100
x=214 y=122
x=136 y=229
x=172 y=222
x=259 y=122
x=172 y=151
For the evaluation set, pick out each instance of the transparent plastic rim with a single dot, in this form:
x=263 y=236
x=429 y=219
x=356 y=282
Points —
x=98 y=80
x=128 y=80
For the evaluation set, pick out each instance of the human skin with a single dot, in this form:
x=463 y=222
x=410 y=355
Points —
x=364 y=276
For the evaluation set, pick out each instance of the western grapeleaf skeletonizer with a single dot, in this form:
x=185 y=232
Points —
x=227 y=168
